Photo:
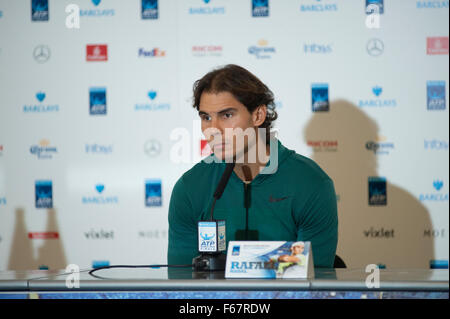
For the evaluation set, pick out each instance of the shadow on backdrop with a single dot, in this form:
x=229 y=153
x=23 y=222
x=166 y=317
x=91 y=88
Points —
x=391 y=234
x=22 y=252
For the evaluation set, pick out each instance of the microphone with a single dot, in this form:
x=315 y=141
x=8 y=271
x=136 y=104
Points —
x=211 y=233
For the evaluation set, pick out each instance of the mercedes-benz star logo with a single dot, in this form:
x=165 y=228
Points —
x=152 y=148
x=375 y=47
x=41 y=53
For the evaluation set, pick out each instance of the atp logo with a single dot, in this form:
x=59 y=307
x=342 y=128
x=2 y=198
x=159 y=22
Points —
x=206 y=236
x=319 y=97
x=260 y=8
x=39 y=10
x=149 y=10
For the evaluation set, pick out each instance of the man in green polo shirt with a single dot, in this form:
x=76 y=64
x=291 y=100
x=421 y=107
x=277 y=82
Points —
x=276 y=195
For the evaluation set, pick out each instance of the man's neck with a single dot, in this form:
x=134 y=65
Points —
x=247 y=170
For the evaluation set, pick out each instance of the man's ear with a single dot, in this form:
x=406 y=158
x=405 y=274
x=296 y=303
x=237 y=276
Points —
x=259 y=115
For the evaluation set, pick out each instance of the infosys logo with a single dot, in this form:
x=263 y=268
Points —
x=317 y=48
x=208 y=8
x=323 y=145
x=435 y=144
x=98 y=148
x=40 y=107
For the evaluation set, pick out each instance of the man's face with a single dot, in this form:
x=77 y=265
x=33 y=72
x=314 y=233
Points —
x=298 y=249
x=224 y=121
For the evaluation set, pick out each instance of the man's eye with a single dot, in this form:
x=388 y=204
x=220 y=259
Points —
x=228 y=115
x=205 y=117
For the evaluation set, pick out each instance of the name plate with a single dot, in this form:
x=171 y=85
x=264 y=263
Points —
x=269 y=259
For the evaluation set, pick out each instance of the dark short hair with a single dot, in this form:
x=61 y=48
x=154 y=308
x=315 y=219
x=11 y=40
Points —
x=243 y=85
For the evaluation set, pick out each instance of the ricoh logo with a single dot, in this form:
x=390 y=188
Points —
x=40 y=107
x=153 y=53
x=98 y=149
x=439 y=195
x=207 y=50
x=96 y=10
x=207 y=8
x=43 y=150
x=154 y=105
x=323 y=145
x=318 y=6
x=377 y=101
x=99 y=234
x=100 y=199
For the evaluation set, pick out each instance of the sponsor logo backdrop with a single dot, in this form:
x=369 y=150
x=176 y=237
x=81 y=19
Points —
x=90 y=116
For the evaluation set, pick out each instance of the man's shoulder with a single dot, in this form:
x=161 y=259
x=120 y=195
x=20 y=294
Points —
x=202 y=170
x=305 y=169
